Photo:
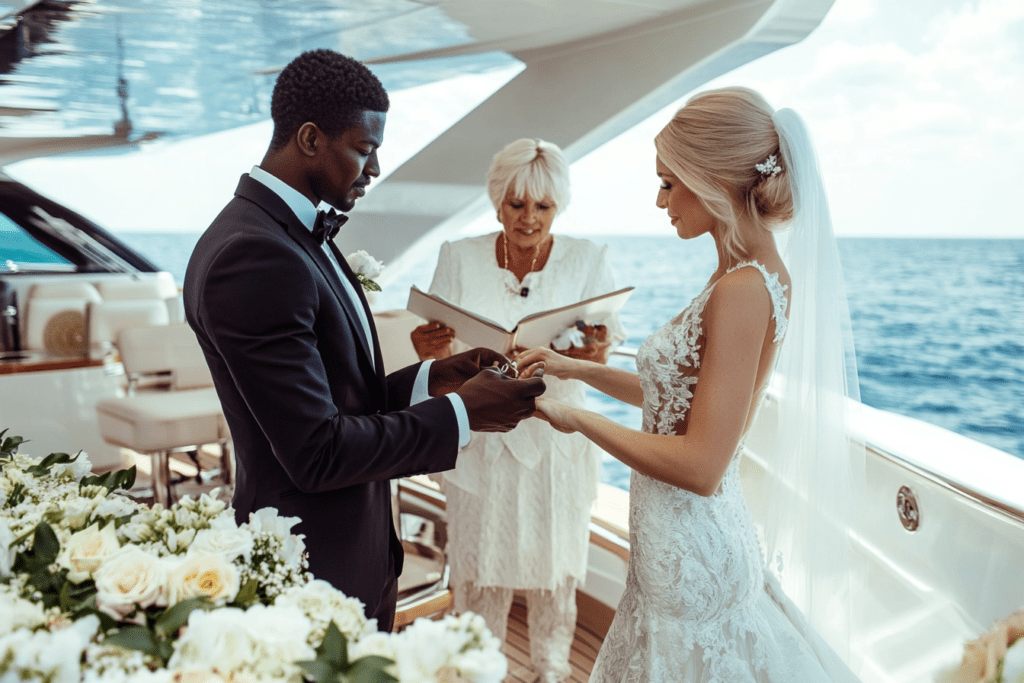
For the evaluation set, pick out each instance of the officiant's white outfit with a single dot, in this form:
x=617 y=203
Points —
x=519 y=502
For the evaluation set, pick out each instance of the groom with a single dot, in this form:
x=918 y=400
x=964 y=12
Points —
x=318 y=428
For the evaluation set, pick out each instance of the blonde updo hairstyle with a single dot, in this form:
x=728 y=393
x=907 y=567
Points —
x=529 y=166
x=713 y=145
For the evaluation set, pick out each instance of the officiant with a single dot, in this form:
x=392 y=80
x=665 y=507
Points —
x=519 y=502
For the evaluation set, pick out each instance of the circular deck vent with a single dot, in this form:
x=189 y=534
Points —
x=906 y=507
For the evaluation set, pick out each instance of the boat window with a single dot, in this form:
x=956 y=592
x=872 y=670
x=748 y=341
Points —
x=19 y=251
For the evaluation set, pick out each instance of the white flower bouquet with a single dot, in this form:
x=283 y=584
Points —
x=98 y=588
x=996 y=656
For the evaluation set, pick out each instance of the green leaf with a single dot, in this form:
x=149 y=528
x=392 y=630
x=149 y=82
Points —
x=111 y=481
x=9 y=446
x=65 y=598
x=334 y=648
x=45 y=545
x=74 y=597
x=248 y=593
x=368 y=284
x=320 y=670
x=166 y=650
x=135 y=638
x=175 y=617
x=106 y=621
x=16 y=497
x=43 y=467
x=370 y=670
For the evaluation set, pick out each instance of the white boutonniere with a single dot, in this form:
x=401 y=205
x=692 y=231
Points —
x=366 y=268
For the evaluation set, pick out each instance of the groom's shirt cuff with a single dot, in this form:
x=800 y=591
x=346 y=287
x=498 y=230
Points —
x=420 y=393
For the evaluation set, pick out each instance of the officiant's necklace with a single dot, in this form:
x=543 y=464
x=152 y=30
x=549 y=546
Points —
x=518 y=289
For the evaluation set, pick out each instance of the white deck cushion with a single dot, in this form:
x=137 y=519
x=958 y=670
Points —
x=106 y=319
x=162 y=348
x=159 y=421
x=125 y=288
x=67 y=288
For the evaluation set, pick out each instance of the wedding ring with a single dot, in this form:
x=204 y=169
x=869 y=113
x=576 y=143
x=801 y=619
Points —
x=510 y=369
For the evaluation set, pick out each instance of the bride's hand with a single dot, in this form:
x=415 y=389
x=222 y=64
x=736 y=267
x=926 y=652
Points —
x=555 y=364
x=554 y=413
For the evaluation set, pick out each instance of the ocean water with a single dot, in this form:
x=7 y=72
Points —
x=938 y=323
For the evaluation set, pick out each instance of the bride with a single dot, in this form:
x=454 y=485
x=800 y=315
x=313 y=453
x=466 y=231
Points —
x=702 y=603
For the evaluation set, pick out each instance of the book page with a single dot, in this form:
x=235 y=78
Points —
x=538 y=329
x=469 y=327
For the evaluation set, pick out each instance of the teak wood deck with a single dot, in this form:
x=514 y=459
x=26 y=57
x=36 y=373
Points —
x=585 y=646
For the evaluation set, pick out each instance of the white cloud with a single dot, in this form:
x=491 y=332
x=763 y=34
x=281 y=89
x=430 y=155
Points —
x=917 y=109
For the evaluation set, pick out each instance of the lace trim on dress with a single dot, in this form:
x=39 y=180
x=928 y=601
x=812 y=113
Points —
x=677 y=344
x=777 y=291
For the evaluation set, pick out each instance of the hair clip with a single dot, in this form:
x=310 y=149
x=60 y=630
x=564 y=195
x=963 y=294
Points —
x=770 y=167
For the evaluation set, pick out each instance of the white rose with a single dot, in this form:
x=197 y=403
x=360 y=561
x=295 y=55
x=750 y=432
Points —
x=85 y=551
x=281 y=636
x=364 y=264
x=128 y=578
x=422 y=650
x=203 y=573
x=217 y=640
x=229 y=543
x=1013 y=665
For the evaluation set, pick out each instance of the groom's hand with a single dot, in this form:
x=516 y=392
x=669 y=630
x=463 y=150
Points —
x=496 y=403
x=448 y=374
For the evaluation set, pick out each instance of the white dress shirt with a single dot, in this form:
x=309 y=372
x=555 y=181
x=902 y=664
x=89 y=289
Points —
x=305 y=211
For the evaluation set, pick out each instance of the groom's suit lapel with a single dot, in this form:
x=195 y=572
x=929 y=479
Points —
x=277 y=209
x=378 y=362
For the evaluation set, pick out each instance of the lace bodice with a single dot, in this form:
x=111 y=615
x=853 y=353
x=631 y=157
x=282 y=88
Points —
x=696 y=606
x=669 y=360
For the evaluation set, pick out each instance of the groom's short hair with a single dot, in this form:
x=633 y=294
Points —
x=326 y=88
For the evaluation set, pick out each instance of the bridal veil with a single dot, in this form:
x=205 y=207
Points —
x=809 y=513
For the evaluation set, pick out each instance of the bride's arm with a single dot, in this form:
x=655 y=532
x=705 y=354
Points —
x=619 y=384
x=735 y=328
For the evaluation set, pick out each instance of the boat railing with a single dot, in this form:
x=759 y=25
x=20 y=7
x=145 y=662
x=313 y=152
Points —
x=878 y=428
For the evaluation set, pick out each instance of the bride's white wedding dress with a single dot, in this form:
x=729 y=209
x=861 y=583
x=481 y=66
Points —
x=698 y=604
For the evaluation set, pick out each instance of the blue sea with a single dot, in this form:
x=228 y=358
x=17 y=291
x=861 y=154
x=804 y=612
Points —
x=938 y=323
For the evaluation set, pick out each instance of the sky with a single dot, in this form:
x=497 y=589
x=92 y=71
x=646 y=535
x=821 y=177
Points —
x=916 y=107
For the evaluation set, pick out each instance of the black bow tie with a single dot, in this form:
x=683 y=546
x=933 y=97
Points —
x=327 y=225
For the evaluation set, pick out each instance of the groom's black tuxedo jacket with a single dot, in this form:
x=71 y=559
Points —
x=317 y=431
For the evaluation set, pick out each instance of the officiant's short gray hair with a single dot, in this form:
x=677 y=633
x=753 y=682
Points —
x=529 y=166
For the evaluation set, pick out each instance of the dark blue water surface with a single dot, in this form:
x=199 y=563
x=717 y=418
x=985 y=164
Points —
x=938 y=323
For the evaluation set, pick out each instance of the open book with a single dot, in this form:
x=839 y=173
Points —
x=536 y=329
